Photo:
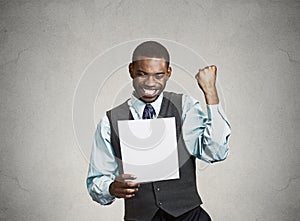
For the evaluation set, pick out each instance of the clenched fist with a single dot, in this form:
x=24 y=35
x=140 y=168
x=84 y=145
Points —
x=206 y=78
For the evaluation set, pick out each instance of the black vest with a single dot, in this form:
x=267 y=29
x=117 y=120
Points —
x=173 y=196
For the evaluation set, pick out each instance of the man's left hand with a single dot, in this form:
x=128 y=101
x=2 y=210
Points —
x=206 y=78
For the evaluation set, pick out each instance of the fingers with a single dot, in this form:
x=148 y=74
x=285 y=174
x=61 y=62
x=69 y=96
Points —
x=207 y=69
x=127 y=190
x=214 y=68
x=124 y=196
x=124 y=189
x=211 y=67
x=127 y=184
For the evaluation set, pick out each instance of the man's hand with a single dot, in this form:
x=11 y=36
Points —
x=124 y=189
x=206 y=78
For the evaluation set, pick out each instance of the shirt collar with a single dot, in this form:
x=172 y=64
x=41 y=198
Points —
x=139 y=105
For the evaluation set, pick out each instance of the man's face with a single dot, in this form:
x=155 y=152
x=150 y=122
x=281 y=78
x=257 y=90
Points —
x=150 y=76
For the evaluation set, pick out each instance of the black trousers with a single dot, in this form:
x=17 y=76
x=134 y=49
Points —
x=197 y=214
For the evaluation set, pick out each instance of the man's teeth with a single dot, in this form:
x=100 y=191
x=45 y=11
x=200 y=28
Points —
x=149 y=92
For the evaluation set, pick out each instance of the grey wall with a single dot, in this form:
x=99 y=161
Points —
x=45 y=46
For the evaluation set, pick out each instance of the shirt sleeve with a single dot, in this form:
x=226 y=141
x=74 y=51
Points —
x=103 y=167
x=206 y=136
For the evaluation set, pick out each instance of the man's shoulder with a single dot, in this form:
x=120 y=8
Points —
x=184 y=99
x=118 y=112
x=172 y=95
x=122 y=106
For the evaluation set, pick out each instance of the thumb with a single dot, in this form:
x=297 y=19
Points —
x=123 y=177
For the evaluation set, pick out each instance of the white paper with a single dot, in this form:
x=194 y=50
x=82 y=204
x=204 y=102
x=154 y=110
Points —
x=149 y=149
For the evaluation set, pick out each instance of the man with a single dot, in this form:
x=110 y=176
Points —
x=198 y=136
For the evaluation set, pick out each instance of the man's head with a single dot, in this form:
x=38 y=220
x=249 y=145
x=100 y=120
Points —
x=150 y=70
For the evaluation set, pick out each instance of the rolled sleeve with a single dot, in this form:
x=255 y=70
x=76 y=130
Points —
x=103 y=167
x=99 y=190
x=206 y=136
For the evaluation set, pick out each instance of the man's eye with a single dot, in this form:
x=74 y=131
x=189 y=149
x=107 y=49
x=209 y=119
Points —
x=140 y=74
x=159 y=76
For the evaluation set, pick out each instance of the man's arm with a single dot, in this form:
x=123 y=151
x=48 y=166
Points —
x=103 y=167
x=104 y=182
x=206 y=136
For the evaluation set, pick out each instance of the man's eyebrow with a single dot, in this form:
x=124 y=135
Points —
x=144 y=72
x=141 y=71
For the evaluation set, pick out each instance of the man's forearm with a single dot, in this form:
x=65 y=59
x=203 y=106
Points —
x=211 y=96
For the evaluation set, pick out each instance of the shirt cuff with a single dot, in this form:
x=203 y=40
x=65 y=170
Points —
x=106 y=192
x=220 y=127
x=101 y=188
x=214 y=110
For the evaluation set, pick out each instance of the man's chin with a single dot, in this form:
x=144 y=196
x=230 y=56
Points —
x=148 y=99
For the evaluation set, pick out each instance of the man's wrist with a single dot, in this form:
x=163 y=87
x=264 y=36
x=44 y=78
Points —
x=108 y=189
x=211 y=97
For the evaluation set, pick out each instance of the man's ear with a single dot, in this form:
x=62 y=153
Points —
x=130 y=69
x=169 y=71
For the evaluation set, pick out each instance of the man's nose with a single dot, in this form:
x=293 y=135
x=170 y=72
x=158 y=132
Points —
x=150 y=81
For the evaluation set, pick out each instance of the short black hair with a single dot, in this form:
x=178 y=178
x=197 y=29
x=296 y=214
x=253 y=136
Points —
x=151 y=49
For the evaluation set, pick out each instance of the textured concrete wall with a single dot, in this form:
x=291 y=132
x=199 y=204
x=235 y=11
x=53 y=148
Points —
x=45 y=47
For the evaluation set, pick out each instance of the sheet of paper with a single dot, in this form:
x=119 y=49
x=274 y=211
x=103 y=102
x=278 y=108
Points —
x=149 y=149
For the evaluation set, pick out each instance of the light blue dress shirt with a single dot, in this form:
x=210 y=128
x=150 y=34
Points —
x=206 y=137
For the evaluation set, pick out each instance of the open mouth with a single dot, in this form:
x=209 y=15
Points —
x=150 y=92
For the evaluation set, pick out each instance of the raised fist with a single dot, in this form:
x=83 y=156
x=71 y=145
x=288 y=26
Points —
x=206 y=78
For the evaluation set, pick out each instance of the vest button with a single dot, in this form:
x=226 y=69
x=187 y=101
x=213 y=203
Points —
x=157 y=189
x=160 y=203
